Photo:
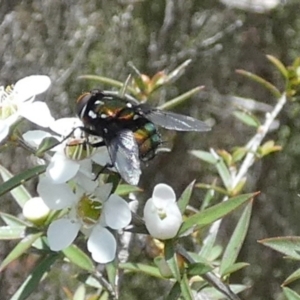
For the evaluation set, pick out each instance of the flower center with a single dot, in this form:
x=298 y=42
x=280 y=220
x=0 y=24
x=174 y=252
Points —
x=7 y=107
x=89 y=210
x=161 y=213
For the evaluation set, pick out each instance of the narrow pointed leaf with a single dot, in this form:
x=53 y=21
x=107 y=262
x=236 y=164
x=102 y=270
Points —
x=199 y=269
x=175 y=74
x=112 y=272
x=106 y=80
x=13 y=184
x=12 y=232
x=185 y=197
x=208 y=246
x=215 y=212
x=79 y=258
x=287 y=245
x=268 y=85
x=180 y=99
x=13 y=221
x=279 y=65
x=212 y=293
x=20 y=249
x=290 y=294
x=32 y=281
x=138 y=267
x=205 y=156
x=125 y=189
x=247 y=118
x=294 y=276
x=212 y=187
x=80 y=293
x=186 y=292
x=171 y=259
x=236 y=241
x=175 y=292
x=235 y=267
x=224 y=173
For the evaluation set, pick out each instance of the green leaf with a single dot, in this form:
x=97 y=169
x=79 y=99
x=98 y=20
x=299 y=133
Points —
x=185 y=197
x=235 y=267
x=180 y=99
x=171 y=259
x=175 y=292
x=125 y=189
x=236 y=241
x=208 y=246
x=207 y=198
x=279 y=65
x=80 y=293
x=112 y=272
x=176 y=73
x=108 y=81
x=42 y=244
x=213 y=158
x=247 y=118
x=288 y=245
x=212 y=293
x=199 y=269
x=223 y=172
x=212 y=187
x=215 y=212
x=290 y=294
x=32 y=281
x=14 y=184
x=12 y=232
x=205 y=156
x=79 y=258
x=294 y=276
x=185 y=288
x=138 y=267
x=20 y=249
x=273 y=89
x=13 y=221
x=47 y=144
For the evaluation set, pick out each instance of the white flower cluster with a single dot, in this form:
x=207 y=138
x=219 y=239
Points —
x=87 y=206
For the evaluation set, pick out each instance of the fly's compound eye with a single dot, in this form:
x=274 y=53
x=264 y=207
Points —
x=81 y=103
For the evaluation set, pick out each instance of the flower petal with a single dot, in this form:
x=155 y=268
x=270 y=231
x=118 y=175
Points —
x=116 y=212
x=163 y=193
x=103 y=192
x=30 y=86
x=61 y=169
x=61 y=233
x=56 y=196
x=64 y=126
x=35 y=137
x=102 y=245
x=37 y=113
x=35 y=209
x=4 y=130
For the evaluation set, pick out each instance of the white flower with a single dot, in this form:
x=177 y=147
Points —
x=90 y=213
x=74 y=156
x=161 y=213
x=17 y=101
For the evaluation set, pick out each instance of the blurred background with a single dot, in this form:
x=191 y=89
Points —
x=65 y=39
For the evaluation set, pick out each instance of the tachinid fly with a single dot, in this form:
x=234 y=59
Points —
x=128 y=128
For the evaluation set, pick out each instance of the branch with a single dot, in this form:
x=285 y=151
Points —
x=248 y=161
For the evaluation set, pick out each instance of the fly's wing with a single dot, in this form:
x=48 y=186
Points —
x=170 y=120
x=124 y=154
